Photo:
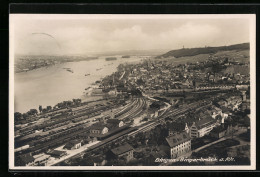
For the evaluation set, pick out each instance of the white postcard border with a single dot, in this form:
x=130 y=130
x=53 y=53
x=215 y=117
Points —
x=251 y=17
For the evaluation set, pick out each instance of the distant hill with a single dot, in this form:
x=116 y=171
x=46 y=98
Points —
x=206 y=50
x=152 y=52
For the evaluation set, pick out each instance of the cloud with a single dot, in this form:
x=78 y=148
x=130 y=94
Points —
x=82 y=37
x=191 y=35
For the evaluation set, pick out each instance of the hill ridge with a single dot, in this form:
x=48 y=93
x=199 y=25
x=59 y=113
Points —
x=206 y=50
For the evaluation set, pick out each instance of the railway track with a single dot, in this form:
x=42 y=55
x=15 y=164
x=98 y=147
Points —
x=156 y=122
x=136 y=105
x=136 y=109
x=101 y=144
x=148 y=126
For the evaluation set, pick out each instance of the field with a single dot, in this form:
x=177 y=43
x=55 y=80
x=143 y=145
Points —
x=233 y=55
x=205 y=50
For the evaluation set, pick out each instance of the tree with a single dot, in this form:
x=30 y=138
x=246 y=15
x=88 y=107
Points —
x=76 y=101
x=40 y=108
x=44 y=110
x=25 y=116
x=17 y=116
x=32 y=112
x=49 y=108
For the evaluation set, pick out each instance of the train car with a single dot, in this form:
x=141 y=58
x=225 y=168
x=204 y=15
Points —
x=22 y=148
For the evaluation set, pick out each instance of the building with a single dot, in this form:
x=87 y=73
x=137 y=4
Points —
x=99 y=129
x=89 y=139
x=98 y=161
x=74 y=144
x=156 y=155
x=56 y=153
x=97 y=92
x=41 y=159
x=202 y=127
x=245 y=102
x=219 y=131
x=186 y=129
x=115 y=123
x=179 y=143
x=126 y=151
x=171 y=131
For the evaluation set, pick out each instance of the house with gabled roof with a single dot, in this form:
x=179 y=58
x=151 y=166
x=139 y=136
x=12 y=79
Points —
x=98 y=128
x=115 y=123
x=74 y=144
x=202 y=127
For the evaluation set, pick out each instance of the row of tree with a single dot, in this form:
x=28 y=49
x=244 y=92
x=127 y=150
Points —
x=66 y=104
x=32 y=112
x=19 y=116
x=44 y=110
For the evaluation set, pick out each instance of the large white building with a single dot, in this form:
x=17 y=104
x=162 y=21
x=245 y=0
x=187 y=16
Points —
x=180 y=144
x=202 y=127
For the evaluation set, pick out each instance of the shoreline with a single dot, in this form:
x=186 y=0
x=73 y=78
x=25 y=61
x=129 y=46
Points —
x=69 y=83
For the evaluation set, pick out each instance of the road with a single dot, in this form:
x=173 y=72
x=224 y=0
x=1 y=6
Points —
x=122 y=75
x=235 y=134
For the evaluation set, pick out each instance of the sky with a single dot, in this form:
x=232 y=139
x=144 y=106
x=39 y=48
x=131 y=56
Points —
x=83 y=34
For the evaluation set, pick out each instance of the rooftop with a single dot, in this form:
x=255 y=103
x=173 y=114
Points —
x=204 y=122
x=98 y=126
x=113 y=121
x=122 y=149
x=177 y=138
x=75 y=141
x=70 y=144
x=220 y=128
x=43 y=157
x=56 y=152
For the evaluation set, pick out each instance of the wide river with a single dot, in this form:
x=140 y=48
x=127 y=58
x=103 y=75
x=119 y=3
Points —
x=54 y=84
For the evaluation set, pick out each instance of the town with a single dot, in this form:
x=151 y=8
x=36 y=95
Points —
x=196 y=107
x=25 y=63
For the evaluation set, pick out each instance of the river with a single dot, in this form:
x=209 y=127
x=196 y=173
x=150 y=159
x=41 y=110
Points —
x=54 y=84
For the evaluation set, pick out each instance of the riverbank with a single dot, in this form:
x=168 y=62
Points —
x=51 y=85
